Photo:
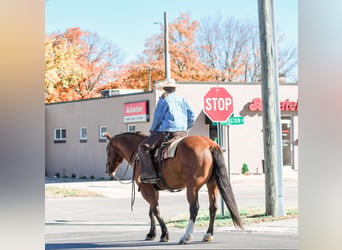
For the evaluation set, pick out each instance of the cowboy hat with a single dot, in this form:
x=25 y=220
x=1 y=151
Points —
x=167 y=83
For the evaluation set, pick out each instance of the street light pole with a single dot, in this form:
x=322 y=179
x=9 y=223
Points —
x=149 y=69
x=166 y=46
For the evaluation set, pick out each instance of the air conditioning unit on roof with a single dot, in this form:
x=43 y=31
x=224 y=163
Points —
x=113 y=92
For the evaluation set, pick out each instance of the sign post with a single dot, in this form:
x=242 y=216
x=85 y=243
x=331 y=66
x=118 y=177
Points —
x=218 y=106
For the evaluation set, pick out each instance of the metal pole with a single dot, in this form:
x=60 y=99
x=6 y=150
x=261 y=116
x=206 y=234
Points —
x=166 y=46
x=281 y=207
x=219 y=142
x=228 y=152
x=271 y=109
x=149 y=77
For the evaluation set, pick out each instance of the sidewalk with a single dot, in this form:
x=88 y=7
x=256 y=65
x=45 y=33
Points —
x=116 y=189
x=122 y=190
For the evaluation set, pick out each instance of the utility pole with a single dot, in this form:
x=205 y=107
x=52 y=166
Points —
x=149 y=69
x=271 y=111
x=166 y=45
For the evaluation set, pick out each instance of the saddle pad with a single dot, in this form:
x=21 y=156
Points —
x=171 y=149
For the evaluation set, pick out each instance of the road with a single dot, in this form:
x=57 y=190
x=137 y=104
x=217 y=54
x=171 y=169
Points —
x=108 y=222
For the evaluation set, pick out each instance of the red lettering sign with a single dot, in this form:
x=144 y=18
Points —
x=256 y=105
x=136 y=112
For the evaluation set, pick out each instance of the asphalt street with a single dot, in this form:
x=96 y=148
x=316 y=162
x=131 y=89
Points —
x=107 y=222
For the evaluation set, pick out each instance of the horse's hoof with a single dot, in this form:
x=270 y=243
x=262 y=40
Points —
x=164 y=238
x=208 y=238
x=150 y=237
x=185 y=240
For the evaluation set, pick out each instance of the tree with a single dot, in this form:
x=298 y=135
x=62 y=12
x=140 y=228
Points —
x=222 y=45
x=102 y=61
x=78 y=65
x=185 y=63
x=231 y=46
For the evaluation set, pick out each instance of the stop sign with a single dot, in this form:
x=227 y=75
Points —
x=218 y=104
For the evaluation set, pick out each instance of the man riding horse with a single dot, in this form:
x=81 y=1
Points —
x=172 y=118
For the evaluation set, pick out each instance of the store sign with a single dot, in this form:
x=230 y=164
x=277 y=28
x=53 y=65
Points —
x=136 y=112
x=287 y=105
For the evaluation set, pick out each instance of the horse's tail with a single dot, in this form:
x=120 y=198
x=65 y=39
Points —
x=221 y=176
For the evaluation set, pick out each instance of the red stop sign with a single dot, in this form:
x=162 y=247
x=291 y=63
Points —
x=218 y=104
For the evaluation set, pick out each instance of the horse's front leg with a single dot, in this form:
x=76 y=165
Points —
x=192 y=196
x=165 y=234
x=152 y=197
x=152 y=233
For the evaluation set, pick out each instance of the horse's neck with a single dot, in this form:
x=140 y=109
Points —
x=129 y=148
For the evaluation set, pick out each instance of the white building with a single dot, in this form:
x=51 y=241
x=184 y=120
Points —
x=75 y=145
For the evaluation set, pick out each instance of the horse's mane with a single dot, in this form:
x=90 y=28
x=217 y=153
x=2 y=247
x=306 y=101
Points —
x=139 y=133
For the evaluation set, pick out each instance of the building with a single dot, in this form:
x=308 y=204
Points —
x=75 y=144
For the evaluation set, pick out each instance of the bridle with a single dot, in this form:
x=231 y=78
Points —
x=133 y=158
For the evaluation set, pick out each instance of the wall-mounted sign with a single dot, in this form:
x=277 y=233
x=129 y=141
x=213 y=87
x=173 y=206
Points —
x=136 y=112
x=256 y=105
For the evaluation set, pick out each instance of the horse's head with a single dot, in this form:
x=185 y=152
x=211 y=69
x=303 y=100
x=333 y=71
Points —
x=113 y=157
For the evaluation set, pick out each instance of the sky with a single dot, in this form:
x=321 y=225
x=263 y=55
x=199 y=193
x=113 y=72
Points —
x=129 y=23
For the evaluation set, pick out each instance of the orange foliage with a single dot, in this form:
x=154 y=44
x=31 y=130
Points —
x=69 y=73
x=72 y=73
x=184 y=59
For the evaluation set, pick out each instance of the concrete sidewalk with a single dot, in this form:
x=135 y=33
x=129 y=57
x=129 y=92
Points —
x=116 y=188
x=249 y=184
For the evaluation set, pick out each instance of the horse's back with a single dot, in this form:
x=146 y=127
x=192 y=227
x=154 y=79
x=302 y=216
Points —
x=193 y=159
x=197 y=142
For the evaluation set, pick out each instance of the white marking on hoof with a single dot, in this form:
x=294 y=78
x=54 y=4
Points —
x=208 y=238
x=185 y=239
x=188 y=233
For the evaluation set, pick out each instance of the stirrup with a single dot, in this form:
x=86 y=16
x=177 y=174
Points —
x=150 y=180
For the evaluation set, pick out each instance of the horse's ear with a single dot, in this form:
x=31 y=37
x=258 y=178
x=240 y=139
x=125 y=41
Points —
x=108 y=136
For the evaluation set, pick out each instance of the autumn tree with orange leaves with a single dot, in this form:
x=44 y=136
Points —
x=78 y=65
x=184 y=59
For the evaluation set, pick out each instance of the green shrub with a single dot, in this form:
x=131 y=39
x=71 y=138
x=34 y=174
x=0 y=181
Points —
x=245 y=168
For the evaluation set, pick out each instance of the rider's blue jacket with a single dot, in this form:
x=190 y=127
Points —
x=172 y=114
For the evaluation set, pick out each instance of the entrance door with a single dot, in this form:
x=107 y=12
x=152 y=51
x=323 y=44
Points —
x=287 y=142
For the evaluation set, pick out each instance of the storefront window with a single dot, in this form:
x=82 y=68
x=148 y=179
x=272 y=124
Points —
x=287 y=140
x=218 y=134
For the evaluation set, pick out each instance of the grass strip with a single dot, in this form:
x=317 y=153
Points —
x=57 y=192
x=249 y=215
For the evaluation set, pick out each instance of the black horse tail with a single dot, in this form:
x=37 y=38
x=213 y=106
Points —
x=221 y=176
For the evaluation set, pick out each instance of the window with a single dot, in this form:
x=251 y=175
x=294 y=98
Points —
x=59 y=135
x=218 y=134
x=131 y=128
x=102 y=131
x=83 y=134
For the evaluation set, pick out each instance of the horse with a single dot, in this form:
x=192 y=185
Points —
x=198 y=160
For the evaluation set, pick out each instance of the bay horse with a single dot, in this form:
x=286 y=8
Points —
x=198 y=160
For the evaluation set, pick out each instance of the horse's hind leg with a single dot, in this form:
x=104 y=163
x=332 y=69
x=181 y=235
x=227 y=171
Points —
x=212 y=193
x=192 y=196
